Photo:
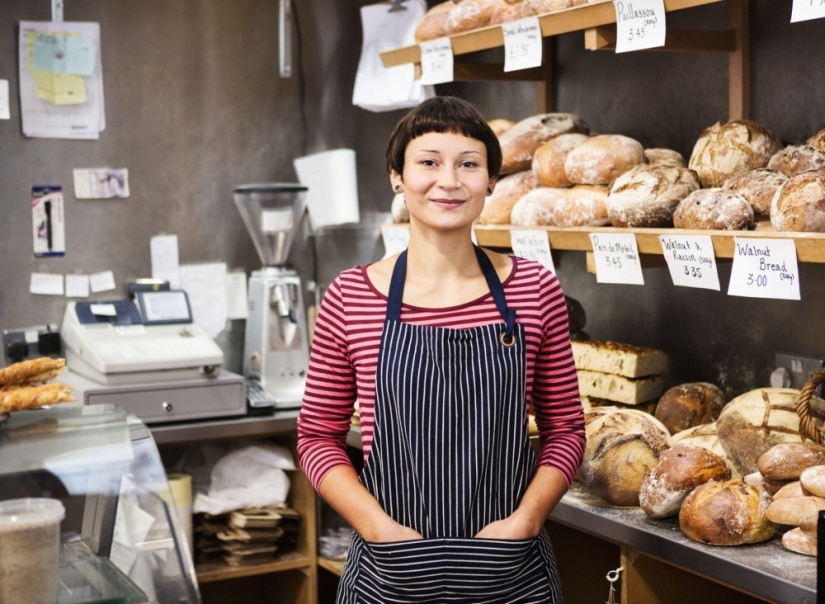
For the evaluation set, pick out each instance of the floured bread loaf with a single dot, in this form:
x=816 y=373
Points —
x=536 y=207
x=601 y=159
x=499 y=206
x=705 y=436
x=434 y=23
x=792 y=511
x=399 y=211
x=813 y=480
x=620 y=389
x=688 y=405
x=726 y=149
x=794 y=159
x=818 y=140
x=799 y=204
x=506 y=12
x=757 y=187
x=582 y=205
x=542 y=7
x=499 y=125
x=755 y=421
x=726 y=513
x=796 y=540
x=548 y=161
x=469 y=14
x=713 y=209
x=787 y=461
x=622 y=359
x=622 y=445
x=678 y=471
x=647 y=195
x=790 y=490
x=519 y=143
x=664 y=156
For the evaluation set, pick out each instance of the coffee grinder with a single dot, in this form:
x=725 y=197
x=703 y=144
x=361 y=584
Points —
x=276 y=347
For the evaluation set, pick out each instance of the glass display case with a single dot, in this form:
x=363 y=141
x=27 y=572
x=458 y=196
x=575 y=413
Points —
x=119 y=538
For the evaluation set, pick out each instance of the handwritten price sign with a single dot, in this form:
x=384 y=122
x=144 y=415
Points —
x=639 y=24
x=522 y=44
x=617 y=258
x=436 y=61
x=764 y=268
x=691 y=260
x=803 y=10
x=533 y=245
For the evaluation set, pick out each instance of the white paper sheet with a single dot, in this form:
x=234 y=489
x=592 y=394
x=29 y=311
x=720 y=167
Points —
x=236 y=288
x=77 y=286
x=165 y=264
x=205 y=284
x=46 y=284
x=102 y=282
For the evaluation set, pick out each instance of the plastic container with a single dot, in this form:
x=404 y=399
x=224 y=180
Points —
x=30 y=550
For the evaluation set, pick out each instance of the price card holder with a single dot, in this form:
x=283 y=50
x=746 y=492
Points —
x=804 y=10
x=436 y=61
x=396 y=238
x=617 y=258
x=640 y=24
x=691 y=260
x=522 y=44
x=764 y=268
x=533 y=245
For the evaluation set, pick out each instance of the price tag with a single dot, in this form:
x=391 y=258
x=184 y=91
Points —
x=436 y=61
x=764 y=268
x=617 y=258
x=639 y=24
x=396 y=238
x=691 y=260
x=522 y=44
x=804 y=10
x=533 y=245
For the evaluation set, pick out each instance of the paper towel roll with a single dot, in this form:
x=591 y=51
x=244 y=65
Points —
x=180 y=488
x=330 y=176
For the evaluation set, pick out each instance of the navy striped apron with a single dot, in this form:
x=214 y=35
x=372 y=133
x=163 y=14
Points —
x=450 y=454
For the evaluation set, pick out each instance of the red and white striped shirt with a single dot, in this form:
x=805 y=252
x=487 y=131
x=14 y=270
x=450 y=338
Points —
x=344 y=358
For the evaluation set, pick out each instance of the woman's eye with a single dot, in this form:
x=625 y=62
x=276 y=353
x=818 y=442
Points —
x=469 y=164
x=428 y=162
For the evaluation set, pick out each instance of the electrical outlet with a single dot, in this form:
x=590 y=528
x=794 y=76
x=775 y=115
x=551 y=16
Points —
x=797 y=367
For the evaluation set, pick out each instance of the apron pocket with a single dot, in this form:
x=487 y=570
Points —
x=402 y=571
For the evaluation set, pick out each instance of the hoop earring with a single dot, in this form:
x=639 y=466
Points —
x=397 y=188
x=489 y=191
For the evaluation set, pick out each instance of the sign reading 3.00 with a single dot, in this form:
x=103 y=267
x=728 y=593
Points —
x=764 y=268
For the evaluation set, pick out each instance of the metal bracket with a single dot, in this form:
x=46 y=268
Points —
x=57 y=11
x=397 y=6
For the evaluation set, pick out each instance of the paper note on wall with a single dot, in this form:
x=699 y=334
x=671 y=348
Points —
x=205 y=284
x=165 y=259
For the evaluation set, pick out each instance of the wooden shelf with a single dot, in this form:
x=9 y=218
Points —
x=336 y=567
x=810 y=247
x=218 y=572
x=565 y=21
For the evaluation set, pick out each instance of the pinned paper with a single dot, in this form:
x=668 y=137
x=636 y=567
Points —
x=617 y=258
x=4 y=100
x=103 y=281
x=77 y=286
x=764 y=268
x=165 y=263
x=691 y=260
x=533 y=245
x=46 y=284
x=640 y=24
x=236 y=294
x=436 y=61
x=522 y=44
x=205 y=284
x=101 y=183
x=803 y=10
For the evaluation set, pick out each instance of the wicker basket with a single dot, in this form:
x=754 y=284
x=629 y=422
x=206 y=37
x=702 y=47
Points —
x=810 y=426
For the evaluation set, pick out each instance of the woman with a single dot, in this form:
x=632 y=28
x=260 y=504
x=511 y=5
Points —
x=445 y=346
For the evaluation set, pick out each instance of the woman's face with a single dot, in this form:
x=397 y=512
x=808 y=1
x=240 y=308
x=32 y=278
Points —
x=445 y=179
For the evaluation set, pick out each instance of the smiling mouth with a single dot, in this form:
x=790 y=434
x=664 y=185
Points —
x=451 y=202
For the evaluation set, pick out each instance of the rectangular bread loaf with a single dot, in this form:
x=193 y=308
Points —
x=620 y=359
x=619 y=389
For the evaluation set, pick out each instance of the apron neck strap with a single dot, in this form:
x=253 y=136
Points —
x=399 y=275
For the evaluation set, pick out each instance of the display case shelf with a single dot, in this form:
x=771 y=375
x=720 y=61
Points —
x=219 y=571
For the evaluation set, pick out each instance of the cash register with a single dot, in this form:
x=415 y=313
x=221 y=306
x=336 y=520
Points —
x=148 y=356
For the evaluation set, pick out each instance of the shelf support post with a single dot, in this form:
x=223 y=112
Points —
x=544 y=88
x=739 y=62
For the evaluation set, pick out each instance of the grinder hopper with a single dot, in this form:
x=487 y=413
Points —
x=272 y=213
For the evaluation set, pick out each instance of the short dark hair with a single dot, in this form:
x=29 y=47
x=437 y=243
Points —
x=442 y=114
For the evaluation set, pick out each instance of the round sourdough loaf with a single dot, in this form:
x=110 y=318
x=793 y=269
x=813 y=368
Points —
x=622 y=445
x=469 y=14
x=548 y=160
x=602 y=158
x=647 y=195
x=500 y=125
x=818 y=140
x=725 y=513
x=813 y=480
x=582 y=205
x=658 y=155
x=792 y=511
x=726 y=149
x=705 y=436
x=757 y=187
x=499 y=205
x=536 y=207
x=796 y=540
x=755 y=421
x=434 y=23
x=799 y=204
x=519 y=143
x=688 y=405
x=794 y=159
x=713 y=209
x=787 y=461
x=678 y=471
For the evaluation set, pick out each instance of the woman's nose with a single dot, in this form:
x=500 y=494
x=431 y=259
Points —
x=449 y=178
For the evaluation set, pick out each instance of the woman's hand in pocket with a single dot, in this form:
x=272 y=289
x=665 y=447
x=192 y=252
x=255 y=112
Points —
x=512 y=528
x=390 y=531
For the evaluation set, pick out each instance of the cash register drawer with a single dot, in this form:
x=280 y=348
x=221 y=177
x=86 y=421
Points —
x=177 y=401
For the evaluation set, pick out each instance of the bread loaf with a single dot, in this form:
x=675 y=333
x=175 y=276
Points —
x=620 y=389
x=755 y=421
x=799 y=204
x=548 y=161
x=542 y=7
x=786 y=461
x=771 y=487
x=818 y=140
x=795 y=540
x=792 y=511
x=399 y=211
x=725 y=513
x=499 y=125
x=791 y=490
x=519 y=143
x=434 y=23
x=757 y=187
x=622 y=444
x=582 y=205
x=601 y=159
x=621 y=359
x=499 y=206
x=469 y=14
x=794 y=159
x=678 y=471
x=726 y=149
x=656 y=156
x=705 y=436
x=810 y=525
x=506 y=13
x=647 y=195
x=688 y=405
x=536 y=207
x=813 y=480
x=713 y=209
